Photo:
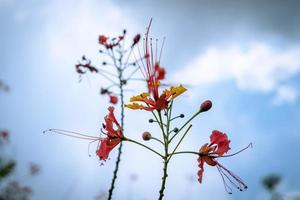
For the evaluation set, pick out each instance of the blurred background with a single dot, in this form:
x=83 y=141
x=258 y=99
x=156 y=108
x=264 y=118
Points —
x=243 y=55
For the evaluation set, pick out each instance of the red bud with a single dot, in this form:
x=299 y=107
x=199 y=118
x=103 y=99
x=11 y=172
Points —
x=205 y=106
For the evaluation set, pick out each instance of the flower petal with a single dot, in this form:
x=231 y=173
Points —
x=174 y=92
x=221 y=140
x=134 y=106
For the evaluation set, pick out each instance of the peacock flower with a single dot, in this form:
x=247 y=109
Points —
x=153 y=73
x=209 y=152
x=152 y=103
x=114 y=135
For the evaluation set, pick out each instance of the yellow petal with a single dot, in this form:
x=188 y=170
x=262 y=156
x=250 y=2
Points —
x=134 y=106
x=139 y=97
x=175 y=91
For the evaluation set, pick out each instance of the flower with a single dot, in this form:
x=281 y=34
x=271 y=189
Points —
x=218 y=146
x=102 y=39
x=110 y=43
x=153 y=73
x=153 y=103
x=82 y=68
x=114 y=135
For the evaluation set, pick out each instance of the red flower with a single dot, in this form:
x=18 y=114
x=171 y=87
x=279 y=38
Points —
x=153 y=73
x=82 y=68
x=113 y=99
x=114 y=135
x=102 y=39
x=110 y=43
x=219 y=145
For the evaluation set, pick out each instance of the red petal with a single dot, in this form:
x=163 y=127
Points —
x=222 y=142
x=223 y=147
x=217 y=137
x=106 y=145
x=201 y=170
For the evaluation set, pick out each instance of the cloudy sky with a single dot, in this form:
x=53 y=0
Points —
x=243 y=55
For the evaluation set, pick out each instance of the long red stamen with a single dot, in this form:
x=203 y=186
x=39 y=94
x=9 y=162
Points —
x=249 y=145
x=237 y=181
x=72 y=134
x=226 y=186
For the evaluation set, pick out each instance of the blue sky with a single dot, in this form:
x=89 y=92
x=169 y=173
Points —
x=244 y=55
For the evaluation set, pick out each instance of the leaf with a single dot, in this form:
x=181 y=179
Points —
x=7 y=169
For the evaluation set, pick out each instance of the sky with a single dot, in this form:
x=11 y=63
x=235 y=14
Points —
x=243 y=55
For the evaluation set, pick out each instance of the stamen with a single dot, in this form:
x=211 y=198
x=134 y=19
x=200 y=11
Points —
x=233 y=183
x=90 y=145
x=156 y=44
x=161 y=49
x=152 y=61
x=249 y=145
x=226 y=186
x=241 y=183
x=72 y=134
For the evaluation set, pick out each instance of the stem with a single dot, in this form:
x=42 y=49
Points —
x=164 y=179
x=165 y=157
x=186 y=123
x=142 y=145
x=112 y=186
x=187 y=130
x=185 y=152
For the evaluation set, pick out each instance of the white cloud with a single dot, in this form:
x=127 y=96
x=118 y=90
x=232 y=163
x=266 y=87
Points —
x=285 y=94
x=71 y=32
x=259 y=67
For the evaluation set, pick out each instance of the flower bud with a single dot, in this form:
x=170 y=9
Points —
x=113 y=99
x=205 y=106
x=136 y=39
x=146 y=136
x=151 y=120
x=176 y=130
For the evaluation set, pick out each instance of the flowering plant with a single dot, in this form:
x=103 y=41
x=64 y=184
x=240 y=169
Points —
x=160 y=103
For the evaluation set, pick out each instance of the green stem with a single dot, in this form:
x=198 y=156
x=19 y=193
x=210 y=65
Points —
x=156 y=139
x=138 y=143
x=185 y=152
x=186 y=123
x=112 y=186
x=187 y=130
x=165 y=157
x=164 y=179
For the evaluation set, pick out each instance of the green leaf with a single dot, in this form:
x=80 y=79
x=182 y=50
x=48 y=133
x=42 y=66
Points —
x=7 y=169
